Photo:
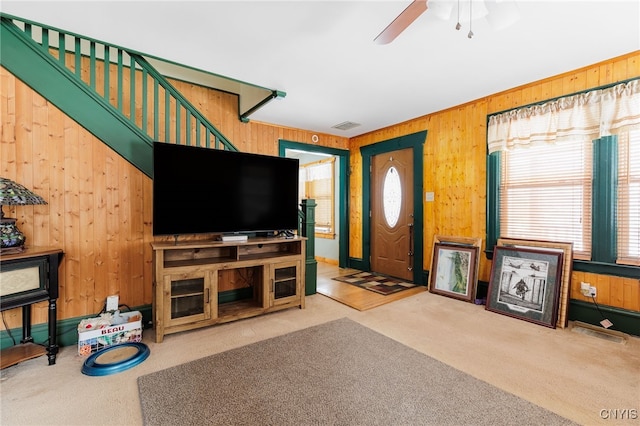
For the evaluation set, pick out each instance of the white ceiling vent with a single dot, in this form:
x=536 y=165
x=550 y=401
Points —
x=347 y=125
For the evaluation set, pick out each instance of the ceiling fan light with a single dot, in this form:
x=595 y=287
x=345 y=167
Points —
x=502 y=14
x=478 y=10
x=441 y=9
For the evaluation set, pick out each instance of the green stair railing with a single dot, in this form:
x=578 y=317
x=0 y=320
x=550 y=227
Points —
x=125 y=79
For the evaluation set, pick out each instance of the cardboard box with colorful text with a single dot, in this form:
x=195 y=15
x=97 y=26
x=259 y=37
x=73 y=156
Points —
x=91 y=341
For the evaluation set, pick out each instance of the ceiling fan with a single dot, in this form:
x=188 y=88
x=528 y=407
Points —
x=499 y=13
x=402 y=21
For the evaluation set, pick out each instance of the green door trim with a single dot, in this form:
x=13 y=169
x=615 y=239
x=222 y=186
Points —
x=343 y=185
x=416 y=142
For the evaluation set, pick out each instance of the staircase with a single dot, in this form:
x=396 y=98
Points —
x=113 y=92
x=118 y=96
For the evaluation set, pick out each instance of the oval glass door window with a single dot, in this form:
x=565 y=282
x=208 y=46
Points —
x=391 y=196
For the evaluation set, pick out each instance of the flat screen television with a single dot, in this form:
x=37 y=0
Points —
x=202 y=190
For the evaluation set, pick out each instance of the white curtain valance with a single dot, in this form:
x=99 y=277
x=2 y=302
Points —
x=571 y=118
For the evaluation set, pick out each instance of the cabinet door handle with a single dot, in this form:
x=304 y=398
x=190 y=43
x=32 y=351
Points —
x=207 y=295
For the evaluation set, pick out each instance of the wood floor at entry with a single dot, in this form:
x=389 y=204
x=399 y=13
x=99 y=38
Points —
x=392 y=214
x=357 y=298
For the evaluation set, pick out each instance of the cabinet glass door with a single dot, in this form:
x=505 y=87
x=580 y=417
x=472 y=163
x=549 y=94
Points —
x=284 y=282
x=189 y=298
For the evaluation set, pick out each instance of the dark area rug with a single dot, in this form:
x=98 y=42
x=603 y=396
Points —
x=337 y=373
x=374 y=282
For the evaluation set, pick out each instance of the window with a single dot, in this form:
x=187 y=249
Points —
x=629 y=197
x=545 y=194
x=317 y=182
x=569 y=170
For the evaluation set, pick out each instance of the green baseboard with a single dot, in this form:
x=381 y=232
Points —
x=623 y=320
x=67 y=330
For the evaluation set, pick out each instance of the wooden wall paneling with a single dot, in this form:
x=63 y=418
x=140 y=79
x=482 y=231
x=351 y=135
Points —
x=355 y=203
x=605 y=293
x=633 y=65
x=631 y=294
x=576 y=278
x=147 y=278
x=7 y=119
x=123 y=235
x=461 y=160
x=73 y=303
x=620 y=71
x=112 y=222
x=56 y=155
x=40 y=170
x=84 y=187
x=99 y=216
x=136 y=272
x=592 y=77
x=428 y=187
x=214 y=109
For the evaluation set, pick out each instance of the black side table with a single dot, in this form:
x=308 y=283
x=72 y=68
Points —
x=28 y=277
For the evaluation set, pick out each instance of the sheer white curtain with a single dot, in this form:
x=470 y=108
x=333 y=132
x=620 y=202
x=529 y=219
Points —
x=592 y=114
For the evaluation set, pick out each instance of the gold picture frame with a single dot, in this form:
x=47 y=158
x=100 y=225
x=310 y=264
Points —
x=567 y=267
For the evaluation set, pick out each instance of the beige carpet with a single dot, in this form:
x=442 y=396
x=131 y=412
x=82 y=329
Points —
x=337 y=373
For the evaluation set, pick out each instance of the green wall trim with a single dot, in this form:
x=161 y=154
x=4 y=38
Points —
x=357 y=263
x=604 y=199
x=39 y=70
x=67 y=329
x=622 y=319
x=626 y=271
x=343 y=184
x=493 y=200
x=416 y=142
x=234 y=295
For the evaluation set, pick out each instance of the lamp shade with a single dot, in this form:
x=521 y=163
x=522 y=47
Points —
x=14 y=194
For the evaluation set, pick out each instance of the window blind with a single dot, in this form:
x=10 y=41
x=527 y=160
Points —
x=318 y=183
x=628 y=248
x=545 y=194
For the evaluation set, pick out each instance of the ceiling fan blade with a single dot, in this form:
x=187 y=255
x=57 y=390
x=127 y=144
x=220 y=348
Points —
x=402 y=21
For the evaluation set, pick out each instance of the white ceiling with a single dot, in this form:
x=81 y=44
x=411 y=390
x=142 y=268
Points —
x=323 y=56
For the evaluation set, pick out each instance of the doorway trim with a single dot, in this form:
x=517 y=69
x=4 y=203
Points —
x=416 y=142
x=343 y=190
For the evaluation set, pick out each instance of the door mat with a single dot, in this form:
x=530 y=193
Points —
x=380 y=284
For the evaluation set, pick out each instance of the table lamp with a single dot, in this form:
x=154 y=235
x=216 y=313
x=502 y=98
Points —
x=14 y=194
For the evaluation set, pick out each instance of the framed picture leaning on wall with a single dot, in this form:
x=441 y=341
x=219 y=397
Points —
x=454 y=271
x=525 y=283
x=567 y=268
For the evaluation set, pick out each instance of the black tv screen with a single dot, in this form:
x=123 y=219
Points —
x=202 y=190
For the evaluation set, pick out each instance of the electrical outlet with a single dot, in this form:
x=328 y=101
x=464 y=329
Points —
x=585 y=289
x=112 y=303
x=592 y=291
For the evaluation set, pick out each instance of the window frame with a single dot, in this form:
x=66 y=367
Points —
x=603 y=210
x=331 y=234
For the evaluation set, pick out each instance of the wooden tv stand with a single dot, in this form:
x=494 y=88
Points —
x=201 y=283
